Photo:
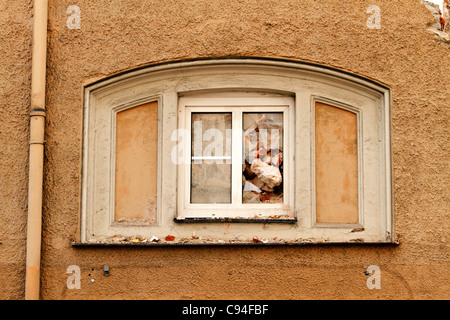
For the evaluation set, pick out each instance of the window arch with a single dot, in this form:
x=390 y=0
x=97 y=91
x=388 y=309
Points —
x=334 y=186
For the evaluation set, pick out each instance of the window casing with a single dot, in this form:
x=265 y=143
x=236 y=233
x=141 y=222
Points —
x=237 y=105
x=181 y=88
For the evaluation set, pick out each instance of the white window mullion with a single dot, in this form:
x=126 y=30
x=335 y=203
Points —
x=188 y=157
x=236 y=155
x=287 y=149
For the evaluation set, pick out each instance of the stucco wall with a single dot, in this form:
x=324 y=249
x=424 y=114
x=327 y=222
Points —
x=118 y=35
x=15 y=83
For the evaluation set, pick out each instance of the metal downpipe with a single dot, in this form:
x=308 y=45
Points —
x=36 y=150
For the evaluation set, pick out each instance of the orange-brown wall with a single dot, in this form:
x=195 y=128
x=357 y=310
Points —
x=118 y=35
x=15 y=85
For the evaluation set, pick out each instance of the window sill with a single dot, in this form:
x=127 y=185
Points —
x=228 y=243
x=286 y=220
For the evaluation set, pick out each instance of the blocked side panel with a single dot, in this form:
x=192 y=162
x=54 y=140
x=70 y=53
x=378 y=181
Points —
x=336 y=163
x=136 y=164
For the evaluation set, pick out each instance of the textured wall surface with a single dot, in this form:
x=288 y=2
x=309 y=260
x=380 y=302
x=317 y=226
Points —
x=15 y=85
x=118 y=35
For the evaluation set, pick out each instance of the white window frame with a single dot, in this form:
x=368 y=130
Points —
x=305 y=83
x=237 y=104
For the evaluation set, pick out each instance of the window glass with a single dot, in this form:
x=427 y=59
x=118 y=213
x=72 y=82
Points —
x=211 y=158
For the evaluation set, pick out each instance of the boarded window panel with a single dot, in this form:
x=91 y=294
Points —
x=137 y=164
x=336 y=157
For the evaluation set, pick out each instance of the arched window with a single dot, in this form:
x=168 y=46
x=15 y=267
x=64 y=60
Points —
x=233 y=150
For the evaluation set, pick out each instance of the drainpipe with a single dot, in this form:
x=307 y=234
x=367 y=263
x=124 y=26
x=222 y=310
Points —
x=36 y=150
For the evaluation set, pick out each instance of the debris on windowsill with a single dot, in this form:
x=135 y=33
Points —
x=357 y=240
x=170 y=238
x=195 y=240
x=256 y=240
x=154 y=239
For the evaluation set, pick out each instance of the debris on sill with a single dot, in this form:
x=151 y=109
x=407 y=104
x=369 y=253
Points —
x=256 y=240
x=170 y=238
x=357 y=240
x=195 y=239
x=198 y=240
x=154 y=239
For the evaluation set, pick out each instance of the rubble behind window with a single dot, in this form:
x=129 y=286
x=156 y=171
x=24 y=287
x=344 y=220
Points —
x=262 y=179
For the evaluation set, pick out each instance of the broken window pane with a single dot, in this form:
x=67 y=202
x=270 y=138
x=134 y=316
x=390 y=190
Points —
x=262 y=169
x=211 y=158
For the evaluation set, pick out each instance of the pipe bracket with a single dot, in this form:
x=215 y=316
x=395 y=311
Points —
x=38 y=112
